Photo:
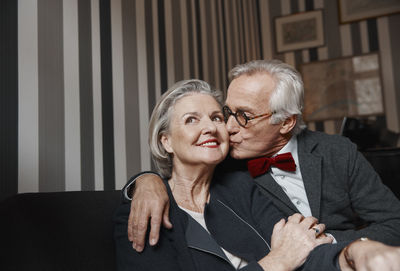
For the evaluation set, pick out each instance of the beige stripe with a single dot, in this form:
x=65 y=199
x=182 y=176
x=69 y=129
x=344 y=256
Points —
x=311 y=126
x=302 y=5
x=169 y=40
x=156 y=49
x=392 y=112
x=266 y=30
x=318 y=4
x=97 y=113
x=285 y=7
x=142 y=85
x=364 y=37
x=118 y=95
x=71 y=97
x=290 y=59
x=28 y=103
x=248 y=31
x=329 y=127
x=185 y=39
x=305 y=56
x=322 y=53
x=236 y=38
x=345 y=37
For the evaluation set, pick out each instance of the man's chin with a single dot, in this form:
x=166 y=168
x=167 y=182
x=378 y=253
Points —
x=236 y=154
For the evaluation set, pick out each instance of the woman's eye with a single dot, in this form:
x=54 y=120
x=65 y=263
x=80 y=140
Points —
x=218 y=118
x=190 y=120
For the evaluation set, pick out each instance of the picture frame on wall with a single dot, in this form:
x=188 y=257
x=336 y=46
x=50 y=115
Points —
x=299 y=31
x=351 y=11
x=342 y=87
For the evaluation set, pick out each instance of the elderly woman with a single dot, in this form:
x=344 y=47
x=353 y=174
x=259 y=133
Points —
x=220 y=222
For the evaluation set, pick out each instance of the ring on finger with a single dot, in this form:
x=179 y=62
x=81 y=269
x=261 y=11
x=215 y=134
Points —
x=317 y=231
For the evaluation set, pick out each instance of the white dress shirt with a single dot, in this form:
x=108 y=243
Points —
x=292 y=181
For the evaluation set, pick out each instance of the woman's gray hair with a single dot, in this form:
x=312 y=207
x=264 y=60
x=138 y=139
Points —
x=161 y=117
x=287 y=97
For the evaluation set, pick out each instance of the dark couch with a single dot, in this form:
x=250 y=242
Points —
x=58 y=231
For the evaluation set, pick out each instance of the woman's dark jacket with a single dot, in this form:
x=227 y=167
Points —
x=240 y=219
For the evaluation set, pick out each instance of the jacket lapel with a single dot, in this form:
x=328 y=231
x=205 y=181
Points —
x=198 y=238
x=311 y=168
x=268 y=183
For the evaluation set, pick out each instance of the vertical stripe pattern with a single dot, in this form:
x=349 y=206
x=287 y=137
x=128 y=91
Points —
x=79 y=78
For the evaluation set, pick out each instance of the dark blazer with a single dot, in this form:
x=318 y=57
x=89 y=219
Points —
x=343 y=190
x=240 y=219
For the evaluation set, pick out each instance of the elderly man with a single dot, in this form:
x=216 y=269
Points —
x=302 y=171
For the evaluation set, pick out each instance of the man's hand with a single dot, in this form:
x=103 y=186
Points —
x=292 y=241
x=150 y=201
x=370 y=255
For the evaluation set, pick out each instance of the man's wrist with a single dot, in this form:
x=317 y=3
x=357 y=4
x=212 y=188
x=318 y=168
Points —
x=346 y=250
x=129 y=188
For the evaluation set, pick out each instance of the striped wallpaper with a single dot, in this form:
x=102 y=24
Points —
x=79 y=78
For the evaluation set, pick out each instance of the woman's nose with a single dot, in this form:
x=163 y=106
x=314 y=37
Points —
x=209 y=126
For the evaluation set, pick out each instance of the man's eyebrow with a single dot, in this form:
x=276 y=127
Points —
x=243 y=108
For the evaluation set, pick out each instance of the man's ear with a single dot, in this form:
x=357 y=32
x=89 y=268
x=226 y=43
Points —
x=166 y=143
x=288 y=125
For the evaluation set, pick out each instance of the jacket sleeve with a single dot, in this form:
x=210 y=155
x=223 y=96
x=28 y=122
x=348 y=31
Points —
x=159 y=257
x=130 y=185
x=371 y=201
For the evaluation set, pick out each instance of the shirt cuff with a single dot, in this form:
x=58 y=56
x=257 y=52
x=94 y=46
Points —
x=334 y=239
x=131 y=183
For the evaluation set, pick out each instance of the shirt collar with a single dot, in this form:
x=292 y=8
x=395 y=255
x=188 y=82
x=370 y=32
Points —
x=291 y=147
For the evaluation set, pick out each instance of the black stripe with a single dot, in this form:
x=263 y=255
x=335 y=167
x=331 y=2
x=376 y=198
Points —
x=356 y=38
x=86 y=94
x=319 y=126
x=107 y=95
x=8 y=98
x=150 y=55
x=51 y=96
x=190 y=37
x=162 y=46
x=309 y=5
x=274 y=12
x=209 y=29
x=373 y=35
x=331 y=22
x=258 y=10
x=294 y=6
x=313 y=54
x=199 y=39
x=177 y=40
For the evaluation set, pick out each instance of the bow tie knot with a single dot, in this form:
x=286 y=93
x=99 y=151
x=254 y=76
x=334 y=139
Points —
x=261 y=165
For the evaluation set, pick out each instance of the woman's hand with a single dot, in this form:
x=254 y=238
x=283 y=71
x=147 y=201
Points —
x=292 y=241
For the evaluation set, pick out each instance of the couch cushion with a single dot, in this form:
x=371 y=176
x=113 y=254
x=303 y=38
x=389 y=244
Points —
x=58 y=231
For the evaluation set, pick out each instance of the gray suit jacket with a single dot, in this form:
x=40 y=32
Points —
x=343 y=190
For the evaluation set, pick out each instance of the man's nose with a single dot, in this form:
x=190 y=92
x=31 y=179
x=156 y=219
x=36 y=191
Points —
x=232 y=126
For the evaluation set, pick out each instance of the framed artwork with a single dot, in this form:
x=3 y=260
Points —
x=299 y=31
x=356 y=10
x=344 y=87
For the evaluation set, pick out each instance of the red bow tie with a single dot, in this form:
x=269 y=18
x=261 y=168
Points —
x=261 y=165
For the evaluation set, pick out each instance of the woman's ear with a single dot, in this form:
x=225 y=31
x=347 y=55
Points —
x=166 y=143
x=288 y=124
